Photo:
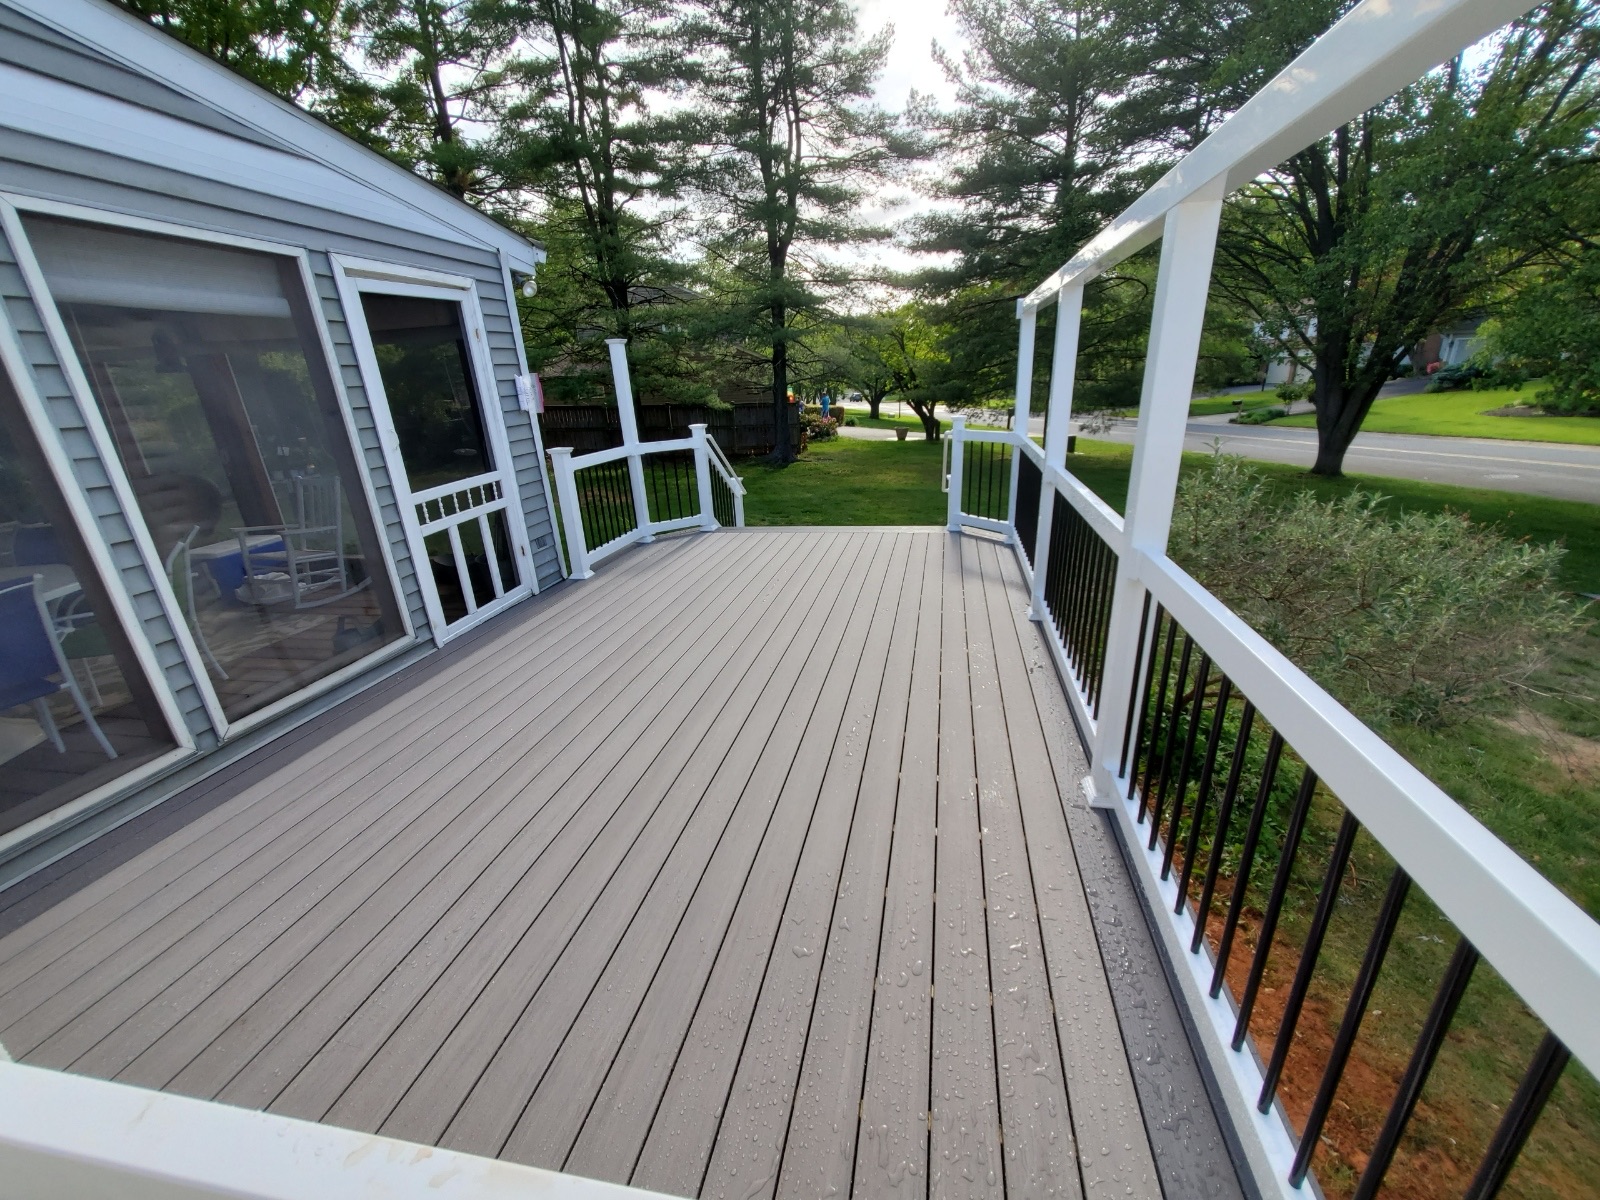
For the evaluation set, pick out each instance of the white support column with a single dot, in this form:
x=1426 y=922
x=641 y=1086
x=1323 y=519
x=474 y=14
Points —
x=630 y=433
x=702 y=475
x=571 y=515
x=1189 y=238
x=958 y=427
x=1063 y=370
x=1027 y=321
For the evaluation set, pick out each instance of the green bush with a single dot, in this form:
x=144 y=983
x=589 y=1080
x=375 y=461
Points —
x=1260 y=416
x=1457 y=378
x=1291 y=392
x=1411 y=617
x=818 y=427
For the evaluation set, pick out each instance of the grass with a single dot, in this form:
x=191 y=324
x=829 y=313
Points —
x=849 y=482
x=1462 y=414
x=1530 y=772
x=1210 y=406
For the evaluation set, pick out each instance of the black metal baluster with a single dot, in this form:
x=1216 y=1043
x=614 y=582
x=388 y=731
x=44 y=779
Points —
x=1219 y=844
x=1196 y=710
x=1087 y=586
x=1078 y=603
x=1247 y=860
x=1521 y=1116
x=1138 y=662
x=1157 y=706
x=1058 y=568
x=1169 y=749
x=1202 y=792
x=1350 y=1024
x=1429 y=1042
x=1274 y=909
x=1321 y=917
x=1102 y=620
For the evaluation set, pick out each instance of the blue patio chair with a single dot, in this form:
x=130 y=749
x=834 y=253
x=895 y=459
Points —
x=31 y=659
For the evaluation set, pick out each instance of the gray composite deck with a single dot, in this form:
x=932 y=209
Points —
x=740 y=870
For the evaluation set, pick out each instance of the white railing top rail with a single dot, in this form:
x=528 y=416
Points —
x=595 y=457
x=719 y=460
x=1378 y=48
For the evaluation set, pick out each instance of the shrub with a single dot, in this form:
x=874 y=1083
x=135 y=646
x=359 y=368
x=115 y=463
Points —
x=1291 y=392
x=1457 y=378
x=1260 y=416
x=818 y=428
x=1410 y=617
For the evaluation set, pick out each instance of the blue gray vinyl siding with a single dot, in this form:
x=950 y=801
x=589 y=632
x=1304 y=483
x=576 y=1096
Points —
x=55 y=169
x=89 y=471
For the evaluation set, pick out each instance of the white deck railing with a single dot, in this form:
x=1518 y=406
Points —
x=605 y=511
x=1105 y=591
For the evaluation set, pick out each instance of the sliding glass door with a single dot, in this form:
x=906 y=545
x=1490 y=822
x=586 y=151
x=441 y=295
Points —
x=206 y=366
x=76 y=710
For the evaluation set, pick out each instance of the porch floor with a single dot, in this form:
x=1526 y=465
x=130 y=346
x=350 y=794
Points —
x=743 y=869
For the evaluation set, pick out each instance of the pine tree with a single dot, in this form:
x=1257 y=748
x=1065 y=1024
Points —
x=787 y=143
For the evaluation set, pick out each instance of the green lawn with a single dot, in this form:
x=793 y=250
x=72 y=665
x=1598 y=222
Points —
x=1461 y=414
x=849 y=482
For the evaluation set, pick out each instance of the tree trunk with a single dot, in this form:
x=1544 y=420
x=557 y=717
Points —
x=782 y=442
x=874 y=403
x=1341 y=408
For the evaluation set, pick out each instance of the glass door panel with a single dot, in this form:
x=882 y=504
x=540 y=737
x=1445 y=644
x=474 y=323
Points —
x=206 y=365
x=76 y=712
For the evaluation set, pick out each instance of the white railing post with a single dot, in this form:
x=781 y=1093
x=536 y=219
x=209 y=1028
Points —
x=1189 y=238
x=1027 y=321
x=958 y=427
x=702 y=475
x=571 y=516
x=1063 y=368
x=630 y=433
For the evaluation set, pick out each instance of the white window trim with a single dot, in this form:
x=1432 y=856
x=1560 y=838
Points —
x=11 y=206
x=356 y=275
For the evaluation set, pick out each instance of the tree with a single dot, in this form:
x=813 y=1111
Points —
x=857 y=352
x=917 y=359
x=1549 y=324
x=1403 y=219
x=291 y=47
x=445 y=62
x=583 y=138
x=787 y=141
x=1064 y=112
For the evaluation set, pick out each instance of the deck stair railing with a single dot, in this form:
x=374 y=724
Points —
x=612 y=499
x=1243 y=791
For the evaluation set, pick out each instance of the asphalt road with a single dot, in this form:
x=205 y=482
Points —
x=1532 y=468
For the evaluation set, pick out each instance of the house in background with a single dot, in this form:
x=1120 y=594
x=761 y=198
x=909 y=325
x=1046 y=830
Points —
x=260 y=438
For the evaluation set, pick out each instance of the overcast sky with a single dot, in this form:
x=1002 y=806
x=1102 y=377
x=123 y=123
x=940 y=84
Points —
x=917 y=25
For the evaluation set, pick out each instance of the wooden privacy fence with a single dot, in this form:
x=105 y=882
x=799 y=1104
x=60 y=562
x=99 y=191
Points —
x=742 y=431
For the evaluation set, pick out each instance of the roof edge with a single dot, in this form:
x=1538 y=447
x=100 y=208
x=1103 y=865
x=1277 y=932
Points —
x=120 y=35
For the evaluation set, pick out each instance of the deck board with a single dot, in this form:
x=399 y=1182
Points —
x=741 y=870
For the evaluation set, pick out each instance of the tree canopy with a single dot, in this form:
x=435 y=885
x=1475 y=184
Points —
x=702 y=174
